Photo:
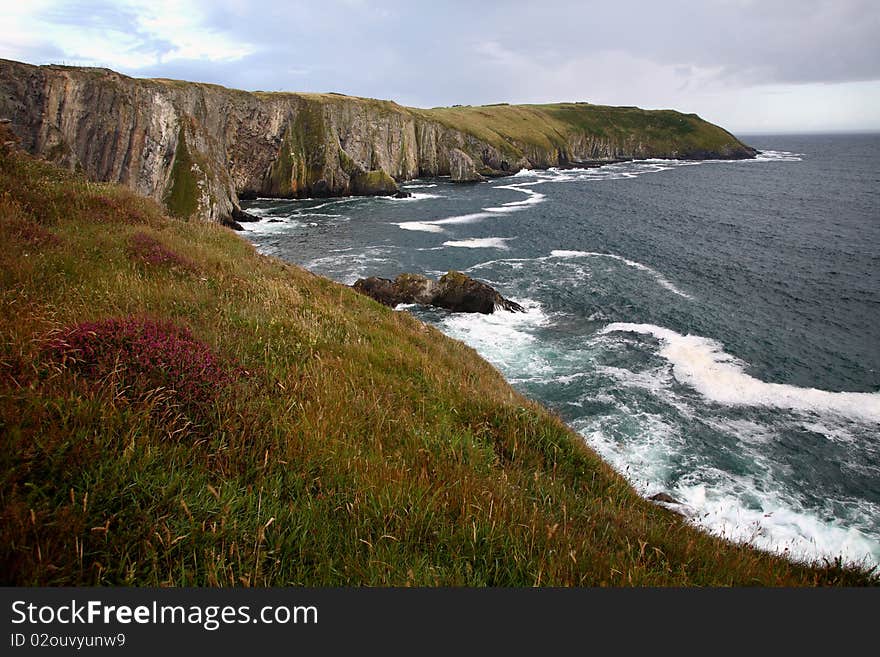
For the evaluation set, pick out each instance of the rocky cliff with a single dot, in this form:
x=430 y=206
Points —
x=199 y=148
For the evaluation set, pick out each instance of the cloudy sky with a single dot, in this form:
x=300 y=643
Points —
x=749 y=65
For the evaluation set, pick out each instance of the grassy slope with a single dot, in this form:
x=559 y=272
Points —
x=359 y=446
x=548 y=127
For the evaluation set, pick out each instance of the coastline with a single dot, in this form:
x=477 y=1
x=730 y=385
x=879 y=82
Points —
x=341 y=443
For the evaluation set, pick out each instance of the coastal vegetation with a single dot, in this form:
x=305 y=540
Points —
x=549 y=128
x=177 y=409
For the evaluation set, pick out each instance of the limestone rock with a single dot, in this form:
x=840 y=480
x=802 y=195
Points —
x=462 y=167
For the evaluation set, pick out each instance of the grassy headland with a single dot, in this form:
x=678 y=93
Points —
x=176 y=409
x=553 y=127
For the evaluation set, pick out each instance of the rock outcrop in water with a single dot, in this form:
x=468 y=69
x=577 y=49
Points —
x=199 y=148
x=454 y=291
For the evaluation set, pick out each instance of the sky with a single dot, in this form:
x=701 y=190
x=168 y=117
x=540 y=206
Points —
x=751 y=66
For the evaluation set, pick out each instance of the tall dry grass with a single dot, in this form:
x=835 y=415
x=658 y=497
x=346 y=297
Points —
x=352 y=445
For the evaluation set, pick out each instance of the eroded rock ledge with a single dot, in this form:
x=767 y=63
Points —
x=454 y=291
x=199 y=148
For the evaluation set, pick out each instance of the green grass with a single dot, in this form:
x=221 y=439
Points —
x=517 y=129
x=357 y=446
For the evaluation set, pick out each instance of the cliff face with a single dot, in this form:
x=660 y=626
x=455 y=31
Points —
x=198 y=148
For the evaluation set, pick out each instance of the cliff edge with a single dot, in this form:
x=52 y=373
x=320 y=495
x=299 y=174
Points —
x=198 y=148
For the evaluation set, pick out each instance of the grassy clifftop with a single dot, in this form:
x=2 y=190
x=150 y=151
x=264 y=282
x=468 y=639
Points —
x=176 y=409
x=558 y=126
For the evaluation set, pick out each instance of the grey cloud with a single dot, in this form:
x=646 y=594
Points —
x=440 y=53
x=430 y=45
x=105 y=16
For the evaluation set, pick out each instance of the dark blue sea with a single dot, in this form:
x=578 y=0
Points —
x=712 y=329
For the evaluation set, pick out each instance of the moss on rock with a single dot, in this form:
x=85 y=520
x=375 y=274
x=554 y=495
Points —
x=373 y=183
x=182 y=198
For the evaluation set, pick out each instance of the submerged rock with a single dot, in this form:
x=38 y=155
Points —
x=454 y=291
x=666 y=498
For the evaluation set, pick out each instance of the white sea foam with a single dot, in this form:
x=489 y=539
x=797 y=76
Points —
x=327 y=204
x=264 y=226
x=703 y=364
x=505 y=339
x=436 y=225
x=662 y=280
x=778 y=525
x=422 y=226
x=354 y=263
x=838 y=434
x=567 y=255
x=420 y=186
x=481 y=243
x=741 y=508
x=746 y=431
x=461 y=218
x=634 y=168
x=533 y=197
x=651 y=380
x=433 y=225
x=778 y=156
x=552 y=378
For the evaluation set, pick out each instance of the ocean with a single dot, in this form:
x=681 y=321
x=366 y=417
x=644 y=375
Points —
x=712 y=329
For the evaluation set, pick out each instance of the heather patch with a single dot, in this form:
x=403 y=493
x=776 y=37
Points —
x=148 y=250
x=155 y=361
x=117 y=209
x=32 y=233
